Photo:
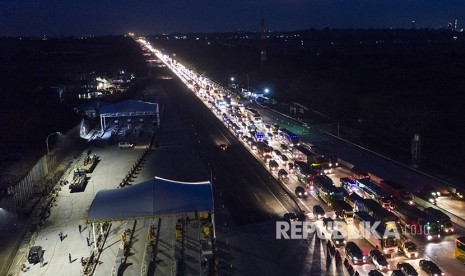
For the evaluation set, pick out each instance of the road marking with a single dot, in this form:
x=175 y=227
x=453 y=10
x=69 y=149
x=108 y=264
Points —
x=257 y=197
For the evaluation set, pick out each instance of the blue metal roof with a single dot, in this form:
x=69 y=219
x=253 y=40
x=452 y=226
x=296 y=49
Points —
x=156 y=197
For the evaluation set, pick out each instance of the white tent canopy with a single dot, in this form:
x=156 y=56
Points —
x=155 y=197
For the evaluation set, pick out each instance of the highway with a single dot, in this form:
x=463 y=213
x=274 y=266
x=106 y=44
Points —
x=441 y=252
x=248 y=190
x=248 y=201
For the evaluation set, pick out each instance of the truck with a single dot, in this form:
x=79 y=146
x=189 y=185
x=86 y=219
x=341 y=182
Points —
x=304 y=154
x=79 y=180
x=89 y=163
x=417 y=221
x=357 y=172
x=396 y=190
x=342 y=210
x=445 y=222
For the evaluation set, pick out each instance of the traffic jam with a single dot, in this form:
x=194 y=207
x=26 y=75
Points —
x=408 y=238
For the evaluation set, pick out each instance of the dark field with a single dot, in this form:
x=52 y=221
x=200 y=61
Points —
x=390 y=84
x=30 y=109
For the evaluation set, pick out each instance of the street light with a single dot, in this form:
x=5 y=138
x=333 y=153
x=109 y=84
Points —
x=46 y=140
x=266 y=90
x=232 y=78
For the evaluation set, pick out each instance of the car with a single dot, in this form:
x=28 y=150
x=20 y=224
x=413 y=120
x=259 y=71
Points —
x=430 y=267
x=223 y=147
x=290 y=167
x=406 y=246
x=337 y=238
x=375 y=272
x=284 y=147
x=276 y=154
x=407 y=269
x=354 y=253
x=35 y=253
x=328 y=223
x=283 y=159
x=273 y=165
x=282 y=174
x=300 y=192
x=379 y=260
x=267 y=158
x=301 y=216
x=253 y=145
x=397 y=273
x=319 y=212
x=290 y=217
x=125 y=145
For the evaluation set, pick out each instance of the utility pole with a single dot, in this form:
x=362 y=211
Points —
x=263 y=50
x=416 y=150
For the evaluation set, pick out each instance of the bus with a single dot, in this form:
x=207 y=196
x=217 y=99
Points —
x=349 y=184
x=326 y=190
x=289 y=137
x=384 y=240
x=368 y=189
x=305 y=174
x=459 y=249
x=387 y=218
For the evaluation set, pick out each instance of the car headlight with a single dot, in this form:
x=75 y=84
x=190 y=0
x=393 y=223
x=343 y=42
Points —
x=337 y=242
x=416 y=254
x=431 y=200
x=355 y=259
x=429 y=237
x=305 y=193
x=452 y=229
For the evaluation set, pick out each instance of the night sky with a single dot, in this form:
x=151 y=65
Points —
x=106 y=17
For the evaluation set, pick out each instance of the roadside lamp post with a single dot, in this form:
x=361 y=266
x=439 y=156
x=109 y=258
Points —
x=46 y=140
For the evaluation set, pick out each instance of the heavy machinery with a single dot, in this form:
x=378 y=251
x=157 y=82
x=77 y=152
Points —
x=79 y=180
x=89 y=163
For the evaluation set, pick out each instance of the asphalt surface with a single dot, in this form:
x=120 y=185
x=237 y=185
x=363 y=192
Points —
x=248 y=202
x=246 y=187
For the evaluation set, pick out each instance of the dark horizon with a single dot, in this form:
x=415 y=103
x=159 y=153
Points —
x=65 y=18
x=229 y=32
